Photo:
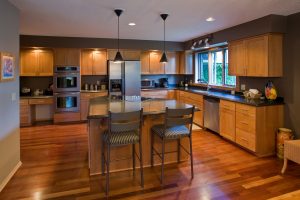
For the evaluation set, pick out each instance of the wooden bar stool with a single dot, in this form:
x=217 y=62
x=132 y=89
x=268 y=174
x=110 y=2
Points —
x=177 y=125
x=123 y=129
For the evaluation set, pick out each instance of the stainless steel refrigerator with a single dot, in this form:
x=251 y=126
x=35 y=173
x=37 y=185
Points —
x=124 y=78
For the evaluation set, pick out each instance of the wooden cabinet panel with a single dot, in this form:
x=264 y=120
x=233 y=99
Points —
x=29 y=63
x=171 y=94
x=155 y=94
x=25 y=113
x=66 y=56
x=99 y=63
x=245 y=109
x=41 y=101
x=172 y=66
x=257 y=56
x=186 y=62
x=36 y=62
x=156 y=67
x=132 y=55
x=45 y=58
x=145 y=62
x=84 y=102
x=227 y=119
x=245 y=139
x=86 y=66
x=236 y=58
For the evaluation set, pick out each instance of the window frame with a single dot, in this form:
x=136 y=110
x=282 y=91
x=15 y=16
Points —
x=196 y=69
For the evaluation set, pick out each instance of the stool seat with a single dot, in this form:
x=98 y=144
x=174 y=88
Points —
x=171 y=132
x=121 y=138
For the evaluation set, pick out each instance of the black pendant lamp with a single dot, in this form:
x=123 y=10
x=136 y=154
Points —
x=118 y=57
x=164 y=58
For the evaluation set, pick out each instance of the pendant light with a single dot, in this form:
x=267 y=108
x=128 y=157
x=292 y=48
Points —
x=164 y=58
x=118 y=57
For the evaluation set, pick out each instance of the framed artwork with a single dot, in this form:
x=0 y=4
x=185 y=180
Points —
x=7 y=67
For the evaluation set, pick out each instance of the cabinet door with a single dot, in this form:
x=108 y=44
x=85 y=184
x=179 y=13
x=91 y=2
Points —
x=73 y=57
x=257 y=56
x=25 y=113
x=131 y=55
x=236 y=58
x=99 y=63
x=227 y=123
x=186 y=62
x=156 y=67
x=145 y=62
x=84 y=107
x=45 y=58
x=172 y=66
x=29 y=63
x=60 y=56
x=171 y=94
x=86 y=62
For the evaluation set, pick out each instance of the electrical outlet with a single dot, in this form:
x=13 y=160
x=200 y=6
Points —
x=243 y=87
x=13 y=96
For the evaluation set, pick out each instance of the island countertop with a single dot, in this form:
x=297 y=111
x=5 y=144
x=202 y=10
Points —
x=100 y=106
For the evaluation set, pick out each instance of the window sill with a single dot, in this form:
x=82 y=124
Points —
x=215 y=86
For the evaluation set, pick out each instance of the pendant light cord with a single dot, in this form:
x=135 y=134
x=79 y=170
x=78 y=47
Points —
x=164 y=35
x=118 y=33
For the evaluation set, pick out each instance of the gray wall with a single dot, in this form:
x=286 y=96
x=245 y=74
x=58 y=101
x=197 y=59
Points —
x=9 y=110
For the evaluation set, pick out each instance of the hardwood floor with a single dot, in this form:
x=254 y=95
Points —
x=55 y=166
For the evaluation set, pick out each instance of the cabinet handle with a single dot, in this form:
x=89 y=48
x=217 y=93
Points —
x=244 y=139
x=244 y=123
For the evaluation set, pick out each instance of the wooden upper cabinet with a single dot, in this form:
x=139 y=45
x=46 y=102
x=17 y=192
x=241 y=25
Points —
x=99 y=63
x=93 y=62
x=126 y=54
x=36 y=62
x=259 y=56
x=186 y=62
x=145 y=62
x=156 y=67
x=172 y=66
x=236 y=58
x=66 y=56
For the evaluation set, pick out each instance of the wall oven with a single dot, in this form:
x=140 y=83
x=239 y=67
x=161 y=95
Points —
x=67 y=102
x=66 y=79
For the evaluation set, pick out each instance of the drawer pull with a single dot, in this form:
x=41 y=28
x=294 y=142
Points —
x=245 y=123
x=244 y=139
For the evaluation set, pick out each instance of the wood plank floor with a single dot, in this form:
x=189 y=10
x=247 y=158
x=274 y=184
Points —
x=55 y=166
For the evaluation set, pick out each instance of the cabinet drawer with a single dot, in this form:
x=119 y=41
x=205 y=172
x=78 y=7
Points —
x=227 y=105
x=246 y=122
x=40 y=101
x=249 y=110
x=245 y=139
x=89 y=95
x=23 y=102
x=196 y=97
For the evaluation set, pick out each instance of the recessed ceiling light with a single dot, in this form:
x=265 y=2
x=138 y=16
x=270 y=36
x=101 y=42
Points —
x=131 y=24
x=210 y=19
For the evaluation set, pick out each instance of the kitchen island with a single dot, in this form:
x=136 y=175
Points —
x=154 y=110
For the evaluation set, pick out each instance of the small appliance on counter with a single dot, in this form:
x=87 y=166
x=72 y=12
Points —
x=164 y=82
x=147 y=83
x=25 y=91
x=38 y=92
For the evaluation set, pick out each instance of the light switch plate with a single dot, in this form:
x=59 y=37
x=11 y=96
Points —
x=13 y=96
x=243 y=87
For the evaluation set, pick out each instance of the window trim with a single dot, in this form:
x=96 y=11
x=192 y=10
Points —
x=224 y=86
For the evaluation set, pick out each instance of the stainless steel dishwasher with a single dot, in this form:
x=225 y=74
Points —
x=211 y=114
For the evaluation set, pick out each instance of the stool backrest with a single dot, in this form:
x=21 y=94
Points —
x=179 y=117
x=124 y=122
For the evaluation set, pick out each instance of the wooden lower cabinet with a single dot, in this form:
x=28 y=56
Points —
x=84 y=102
x=163 y=94
x=194 y=99
x=227 y=119
x=25 y=113
x=251 y=127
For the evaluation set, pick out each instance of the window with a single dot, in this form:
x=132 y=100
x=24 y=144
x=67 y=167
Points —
x=212 y=68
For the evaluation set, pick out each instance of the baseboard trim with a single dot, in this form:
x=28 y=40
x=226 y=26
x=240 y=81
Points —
x=10 y=175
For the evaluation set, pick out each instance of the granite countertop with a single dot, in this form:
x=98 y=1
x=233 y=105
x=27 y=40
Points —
x=92 y=91
x=36 y=97
x=99 y=106
x=225 y=96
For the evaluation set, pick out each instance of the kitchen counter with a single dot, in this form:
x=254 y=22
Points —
x=93 y=91
x=36 y=97
x=225 y=96
x=99 y=106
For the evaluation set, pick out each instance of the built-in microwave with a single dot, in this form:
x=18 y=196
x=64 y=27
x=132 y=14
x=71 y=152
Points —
x=67 y=102
x=147 y=83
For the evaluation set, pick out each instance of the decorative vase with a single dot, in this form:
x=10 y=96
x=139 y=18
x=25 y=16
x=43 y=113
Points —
x=270 y=91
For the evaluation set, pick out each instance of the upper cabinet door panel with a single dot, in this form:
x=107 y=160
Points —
x=45 y=59
x=29 y=63
x=145 y=62
x=257 y=56
x=172 y=66
x=67 y=56
x=236 y=55
x=73 y=57
x=86 y=66
x=186 y=62
x=156 y=67
x=99 y=63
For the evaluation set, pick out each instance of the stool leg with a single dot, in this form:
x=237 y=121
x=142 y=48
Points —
x=162 y=161
x=152 y=142
x=284 y=165
x=107 y=169
x=141 y=164
x=102 y=159
x=178 y=150
x=191 y=157
x=133 y=157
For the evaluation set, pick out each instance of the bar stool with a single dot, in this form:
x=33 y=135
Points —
x=123 y=129
x=177 y=125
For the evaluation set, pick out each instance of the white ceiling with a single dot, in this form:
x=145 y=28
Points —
x=95 y=18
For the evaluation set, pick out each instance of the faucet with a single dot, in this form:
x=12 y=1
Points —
x=208 y=87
